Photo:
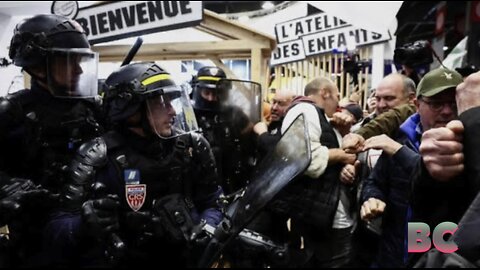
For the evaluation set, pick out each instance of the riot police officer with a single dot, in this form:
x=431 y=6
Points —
x=163 y=172
x=41 y=128
x=227 y=123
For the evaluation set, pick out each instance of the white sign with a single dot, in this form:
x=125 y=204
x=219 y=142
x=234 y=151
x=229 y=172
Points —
x=340 y=38
x=288 y=52
x=116 y=20
x=374 y=16
x=317 y=34
x=294 y=29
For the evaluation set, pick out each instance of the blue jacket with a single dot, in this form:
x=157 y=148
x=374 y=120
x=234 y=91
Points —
x=390 y=181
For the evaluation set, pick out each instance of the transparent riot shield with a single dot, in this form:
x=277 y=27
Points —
x=245 y=95
x=290 y=158
x=226 y=96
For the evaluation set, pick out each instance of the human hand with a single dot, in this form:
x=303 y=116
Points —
x=442 y=151
x=371 y=209
x=20 y=198
x=348 y=173
x=101 y=215
x=260 y=128
x=341 y=120
x=352 y=143
x=468 y=93
x=383 y=142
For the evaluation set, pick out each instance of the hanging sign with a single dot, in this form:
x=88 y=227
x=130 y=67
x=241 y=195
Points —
x=317 y=34
x=116 y=20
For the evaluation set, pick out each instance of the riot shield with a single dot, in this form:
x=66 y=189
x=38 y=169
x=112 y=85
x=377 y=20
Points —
x=226 y=112
x=290 y=157
x=245 y=95
x=241 y=97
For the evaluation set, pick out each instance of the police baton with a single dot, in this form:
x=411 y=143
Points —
x=133 y=51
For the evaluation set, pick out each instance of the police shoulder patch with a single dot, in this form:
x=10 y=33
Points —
x=135 y=195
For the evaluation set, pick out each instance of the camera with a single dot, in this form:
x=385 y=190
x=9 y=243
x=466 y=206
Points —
x=467 y=70
x=414 y=54
x=353 y=65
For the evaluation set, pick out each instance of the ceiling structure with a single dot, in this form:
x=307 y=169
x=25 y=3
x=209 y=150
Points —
x=416 y=19
x=223 y=7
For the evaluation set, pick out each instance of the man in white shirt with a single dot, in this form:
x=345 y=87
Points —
x=318 y=202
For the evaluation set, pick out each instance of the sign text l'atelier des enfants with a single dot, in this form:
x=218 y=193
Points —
x=317 y=34
x=115 y=20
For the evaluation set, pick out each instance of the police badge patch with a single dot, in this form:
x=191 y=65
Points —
x=136 y=195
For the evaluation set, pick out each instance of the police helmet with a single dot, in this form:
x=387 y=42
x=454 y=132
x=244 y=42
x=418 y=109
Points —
x=145 y=85
x=34 y=36
x=208 y=77
x=210 y=88
x=59 y=47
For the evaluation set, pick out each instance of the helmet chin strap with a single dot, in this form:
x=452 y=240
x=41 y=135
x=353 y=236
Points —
x=145 y=124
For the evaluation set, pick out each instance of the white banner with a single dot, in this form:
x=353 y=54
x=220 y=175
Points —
x=294 y=29
x=375 y=16
x=317 y=34
x=341 y=38
x=116 y=20
x=288 y=52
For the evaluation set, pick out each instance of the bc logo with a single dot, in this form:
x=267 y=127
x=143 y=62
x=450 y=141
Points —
x=419 y=237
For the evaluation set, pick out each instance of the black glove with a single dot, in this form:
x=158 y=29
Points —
x=140 y=223
x=199 y=236
x=20 y=198
x=14 y=185
x=101 y=215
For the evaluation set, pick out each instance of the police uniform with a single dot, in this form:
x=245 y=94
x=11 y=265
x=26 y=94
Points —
x=166 y=185
x=42 y=128
x=225 y=127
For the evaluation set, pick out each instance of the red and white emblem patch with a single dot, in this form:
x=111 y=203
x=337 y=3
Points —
x=136 y=195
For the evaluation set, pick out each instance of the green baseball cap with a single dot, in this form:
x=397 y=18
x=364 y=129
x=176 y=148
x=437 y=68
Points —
x=438 y=80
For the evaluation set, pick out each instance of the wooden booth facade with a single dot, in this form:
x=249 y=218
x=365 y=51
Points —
x=236 y=42
x=296 y=75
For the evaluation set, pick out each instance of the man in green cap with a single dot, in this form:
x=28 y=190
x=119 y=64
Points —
x=387 y=190
x=452 y=152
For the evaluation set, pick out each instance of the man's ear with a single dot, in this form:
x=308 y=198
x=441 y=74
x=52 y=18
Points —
x=412 y=98
x=324 y=93
x=417 y=104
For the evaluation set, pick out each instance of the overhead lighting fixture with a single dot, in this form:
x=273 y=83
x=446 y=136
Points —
x=267 y=5
x=445 y=48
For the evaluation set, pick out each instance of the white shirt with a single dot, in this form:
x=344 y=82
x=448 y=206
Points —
x=319 y=153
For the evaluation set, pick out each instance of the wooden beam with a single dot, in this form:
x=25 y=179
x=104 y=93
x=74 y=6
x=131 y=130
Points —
x=227 y=49
x=168 y=57
x=265 y=76
x=256 y=68
x=183 y=47
x=224 y=28
x=215 y=33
